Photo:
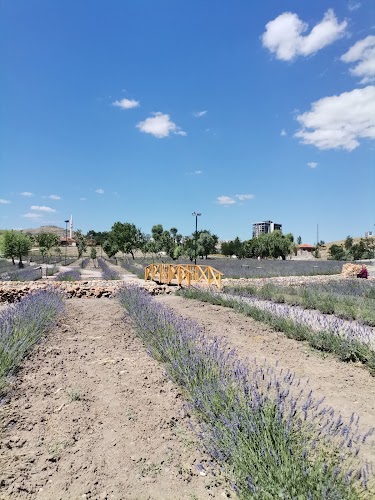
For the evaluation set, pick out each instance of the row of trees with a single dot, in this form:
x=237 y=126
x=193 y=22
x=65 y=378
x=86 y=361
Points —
x=270 y=245
x=127 y=238
x=364 y=249
x=17 y=245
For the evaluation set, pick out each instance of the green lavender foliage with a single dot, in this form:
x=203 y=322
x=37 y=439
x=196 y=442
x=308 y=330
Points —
x=267 y=432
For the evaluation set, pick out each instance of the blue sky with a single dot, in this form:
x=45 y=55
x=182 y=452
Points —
x=146 y=111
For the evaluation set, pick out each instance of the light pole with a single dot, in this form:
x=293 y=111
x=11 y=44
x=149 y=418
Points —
x=66 y=237
x=196 y=215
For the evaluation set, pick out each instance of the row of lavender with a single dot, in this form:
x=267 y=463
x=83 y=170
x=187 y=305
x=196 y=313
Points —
x=349 y=340
x=267 y=431
x=22 y=325
x=107 y=272
x=348 y=298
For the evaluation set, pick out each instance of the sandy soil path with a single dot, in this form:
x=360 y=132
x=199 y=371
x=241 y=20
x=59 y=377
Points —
x=345 y=386
x=91 y=415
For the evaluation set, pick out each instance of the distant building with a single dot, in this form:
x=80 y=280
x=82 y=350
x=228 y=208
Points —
x=369 y=234
x=265 y=227
x=305 y=248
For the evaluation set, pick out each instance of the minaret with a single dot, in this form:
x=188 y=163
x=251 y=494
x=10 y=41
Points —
x=71 y=227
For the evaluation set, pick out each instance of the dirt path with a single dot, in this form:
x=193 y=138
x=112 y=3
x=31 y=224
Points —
x=93 y=416
x=346 y=387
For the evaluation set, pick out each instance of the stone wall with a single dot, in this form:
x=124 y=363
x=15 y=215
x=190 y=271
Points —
x=11 y=291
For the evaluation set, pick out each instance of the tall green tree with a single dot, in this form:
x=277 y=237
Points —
x=8 y=245
x=127 y=237
x=80 y=242
x=46 y=241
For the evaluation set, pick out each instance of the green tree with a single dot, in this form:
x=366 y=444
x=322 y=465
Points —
x=46 y=241
x=93 y=254
x=110 y=247
x=336 y=252
x=299 y=240
x=348 y=243
x=8 y=245
x=127 y=237
x=23 y=247
x=80 y=242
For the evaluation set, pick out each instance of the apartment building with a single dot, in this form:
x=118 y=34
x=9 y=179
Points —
x=266 y=226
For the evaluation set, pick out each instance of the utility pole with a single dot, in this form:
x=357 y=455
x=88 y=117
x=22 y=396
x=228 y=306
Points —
x=66 y=237
x=196 y=215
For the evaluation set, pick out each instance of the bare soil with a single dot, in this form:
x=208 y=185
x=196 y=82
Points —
x=91 y=415
x=347 y=387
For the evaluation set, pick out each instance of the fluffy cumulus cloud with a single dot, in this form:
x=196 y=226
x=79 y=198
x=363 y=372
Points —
x=126 y=104
x=4 y=202
x=54 y=197
x=160 y=125
x=31 y=215
x=339 y=122
x=26 y=193
x=312 y=164
x=199 y=114
x=284 y=35
x=362 y=53
x=99 y=191
x=42 y=209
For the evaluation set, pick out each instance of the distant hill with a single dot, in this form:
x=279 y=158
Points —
x=59 y=231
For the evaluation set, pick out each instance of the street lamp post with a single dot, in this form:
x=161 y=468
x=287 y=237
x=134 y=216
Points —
x=66 y=237
x=196 y=215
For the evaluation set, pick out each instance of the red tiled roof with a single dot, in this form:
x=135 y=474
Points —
x=306 y=245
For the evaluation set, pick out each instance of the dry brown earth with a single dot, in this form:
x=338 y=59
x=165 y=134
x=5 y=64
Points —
x=347 y=387
x=91 y=415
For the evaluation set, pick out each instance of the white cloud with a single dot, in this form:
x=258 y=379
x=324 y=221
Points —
x=225 y=200
x=126 y=104
x=4 y=202
x=26 y=193
x=160 y=125
x=99 y=191
x=283 y=36
x=243 y=197
x=198 y=114
x=339 y=121
x=353 y=5
x=42 y=209
x=312 y=164
x=362 y=52
x=83 y=199
x=54 y=197
x=31 y=216
x=283 y=132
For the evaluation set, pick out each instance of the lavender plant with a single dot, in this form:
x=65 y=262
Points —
x=24 y=274
x=268 y=432
x=107 y=272
x=348 y=299
x=70 y=275
x=349 y=340
x=85 y=262
x=23 y=324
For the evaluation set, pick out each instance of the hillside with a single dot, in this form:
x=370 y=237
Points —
x=60 y=232
x=325 y=248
